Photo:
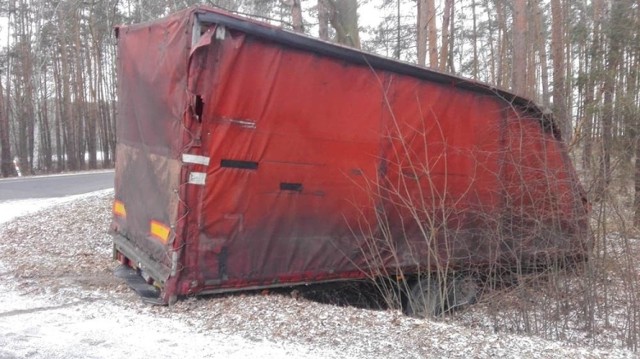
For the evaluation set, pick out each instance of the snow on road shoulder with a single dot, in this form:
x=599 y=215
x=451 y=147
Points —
x=99 y=329
x=10 y=210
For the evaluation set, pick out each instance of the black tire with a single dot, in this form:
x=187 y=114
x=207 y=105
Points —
x=463 y=290
x=425 y=299
x=432 y=296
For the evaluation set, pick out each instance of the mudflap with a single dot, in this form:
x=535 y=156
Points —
x=148 y=293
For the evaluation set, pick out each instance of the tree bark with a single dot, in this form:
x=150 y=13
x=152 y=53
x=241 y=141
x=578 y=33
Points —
x=344 y=19
x=474 y=72
x=398 y=30
x=633 y=91
x=45 y=128
x=296 y=16
x=541 y=45
x=432 y=33
x=421 y=32
x=519 y=66
x=7 y=167
x=323 y=19
x=615 y=35
x=503 y=73
x=557 y=50
x=446 y=22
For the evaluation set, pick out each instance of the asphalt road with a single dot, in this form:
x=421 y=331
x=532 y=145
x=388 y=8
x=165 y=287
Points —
x=59 y=185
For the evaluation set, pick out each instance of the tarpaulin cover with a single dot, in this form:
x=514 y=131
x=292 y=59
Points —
x=275 y=158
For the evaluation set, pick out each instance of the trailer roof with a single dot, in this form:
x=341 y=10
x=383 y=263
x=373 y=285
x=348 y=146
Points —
x=208 y=15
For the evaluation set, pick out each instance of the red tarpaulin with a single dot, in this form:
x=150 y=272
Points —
x=249 y=156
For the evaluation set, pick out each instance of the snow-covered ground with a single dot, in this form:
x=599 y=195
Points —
x=35 y=327
x=88 y=325
x=14 y=209
x=59 y=299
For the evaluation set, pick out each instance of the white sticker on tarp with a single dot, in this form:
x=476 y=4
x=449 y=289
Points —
x=174 y=263
x=195 y=159
x=197 y=178
x=221 y=32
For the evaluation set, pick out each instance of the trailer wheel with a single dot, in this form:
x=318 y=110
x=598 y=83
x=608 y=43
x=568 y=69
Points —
x=463 y=290
x=425 y=299
x=433 y=296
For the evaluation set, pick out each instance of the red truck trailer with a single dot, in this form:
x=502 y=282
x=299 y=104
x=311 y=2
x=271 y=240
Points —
x=253 y=157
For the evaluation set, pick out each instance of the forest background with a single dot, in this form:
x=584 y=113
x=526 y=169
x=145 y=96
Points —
x=580 y=59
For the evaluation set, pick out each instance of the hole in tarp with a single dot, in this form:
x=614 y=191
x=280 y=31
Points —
x=245 y=165
x=199 y=107
x=288 y=186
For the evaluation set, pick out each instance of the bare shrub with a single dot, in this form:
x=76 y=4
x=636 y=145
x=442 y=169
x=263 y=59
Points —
x=526 y=248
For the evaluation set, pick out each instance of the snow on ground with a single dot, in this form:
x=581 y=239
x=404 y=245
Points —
x=80 y=328
x=90 y=326
x=14 y=209
x=59 y=299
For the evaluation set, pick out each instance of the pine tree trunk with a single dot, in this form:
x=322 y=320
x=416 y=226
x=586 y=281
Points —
x=7 y=169
x=421 y=33
x=296 y=16
x=609 y=87
x=474 y=73
x=541 y=45
x=45 y=128
x=432 y=33
x=633 y=91
x=323 y=19
x=344 y=19
x=446 y=23
x=557 y=49
x=519 y=66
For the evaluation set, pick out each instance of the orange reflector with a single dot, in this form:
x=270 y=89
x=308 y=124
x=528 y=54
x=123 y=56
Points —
x=119 y=209
x=160 y=230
